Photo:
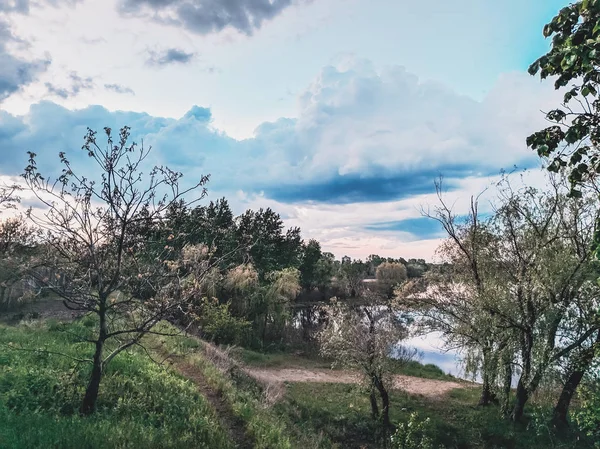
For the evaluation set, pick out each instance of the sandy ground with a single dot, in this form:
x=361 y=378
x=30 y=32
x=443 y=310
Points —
x=434 y=389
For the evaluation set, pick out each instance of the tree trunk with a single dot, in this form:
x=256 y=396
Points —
x=561 y=410
x=520 y=401
x=507 y=382
x=91 y=393
x=385 y=403
x=88 y=406
x=487 y=395
x=374 y=406
x=577 y=371
x=264 y=332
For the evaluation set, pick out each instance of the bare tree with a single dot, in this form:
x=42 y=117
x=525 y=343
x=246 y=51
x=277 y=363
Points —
x=104 y=266
x=9 y=196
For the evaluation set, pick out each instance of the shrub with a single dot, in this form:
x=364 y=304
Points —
x=412 y=434
x=219 y=325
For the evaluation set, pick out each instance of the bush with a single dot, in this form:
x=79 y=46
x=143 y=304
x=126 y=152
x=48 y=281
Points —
x=219 y=325
x=587 y=416
x=413 y=434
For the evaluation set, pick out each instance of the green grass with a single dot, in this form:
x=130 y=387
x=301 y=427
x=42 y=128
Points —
x=141 y=405
x=342 y=413
x=268 y=428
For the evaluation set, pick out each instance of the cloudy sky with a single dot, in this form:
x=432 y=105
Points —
x=339 y=114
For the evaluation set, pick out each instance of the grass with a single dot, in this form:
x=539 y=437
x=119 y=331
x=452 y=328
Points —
x=141 y=405
x=341 y=413
x=276 y=360
x=245 y=399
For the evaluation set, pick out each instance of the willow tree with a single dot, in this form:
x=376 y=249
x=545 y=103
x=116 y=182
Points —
x=90 y=232
x=363 y=338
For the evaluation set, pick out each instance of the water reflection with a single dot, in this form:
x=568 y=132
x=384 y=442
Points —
x=431 y=348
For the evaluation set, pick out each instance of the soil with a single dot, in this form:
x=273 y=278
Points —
x=430 y=388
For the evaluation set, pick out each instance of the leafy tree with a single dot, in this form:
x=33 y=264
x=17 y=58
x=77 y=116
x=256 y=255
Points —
x=269 y=248
x=361 y=338
x=90 y=232
x=452 y=301
x=522 y=281
x=309 y=268
x=271 y=301
x=390 y=274
x=17 y=250
x=353 y=274
x=574 y=58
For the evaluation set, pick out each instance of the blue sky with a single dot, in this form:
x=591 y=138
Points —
x=339 y=114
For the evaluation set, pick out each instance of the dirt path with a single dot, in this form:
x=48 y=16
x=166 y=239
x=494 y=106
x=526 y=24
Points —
x=232 y=425
x=431 y=388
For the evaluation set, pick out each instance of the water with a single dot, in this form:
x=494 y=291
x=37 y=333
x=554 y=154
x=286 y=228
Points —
x=431 y=349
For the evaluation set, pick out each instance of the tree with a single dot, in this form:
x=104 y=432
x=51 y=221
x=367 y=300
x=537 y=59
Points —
x=572 y=140
x=390 y=274
x=353 y=274
x=272 y=300
x=90 y=232
x=362 y=338
x=309 y=268
x=519 y=288
x=268 y=247
x=550 y=304
x=9 y=197
x=453 y=301
x=17 y=248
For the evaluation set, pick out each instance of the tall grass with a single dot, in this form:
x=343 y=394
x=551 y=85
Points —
x=141 y=405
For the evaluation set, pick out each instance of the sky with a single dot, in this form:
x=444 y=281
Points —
x=338 y=114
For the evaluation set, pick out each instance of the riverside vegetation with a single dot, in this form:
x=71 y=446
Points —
x=137 y=314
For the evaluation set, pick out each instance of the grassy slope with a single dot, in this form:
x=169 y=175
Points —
x=268 y=428
x=145 y=406
x=141 y=405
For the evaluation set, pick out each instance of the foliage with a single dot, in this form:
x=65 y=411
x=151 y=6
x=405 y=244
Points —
x=142 y=405
x=413 y=434
x=390 y=274
x=17 y=248
x=362 y=338
x=518 y=289
x=338 y=411
x=587 y=415
x=574 y=57
x=244 y=397
x=316 y=268
x=218 y=325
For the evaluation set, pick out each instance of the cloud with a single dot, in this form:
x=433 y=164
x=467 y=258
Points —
x=118 y=88
x=169 y=56
x=15 y=72
x=77 y=84
x=207 y=16
x=360 y=135
x=22 y=6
